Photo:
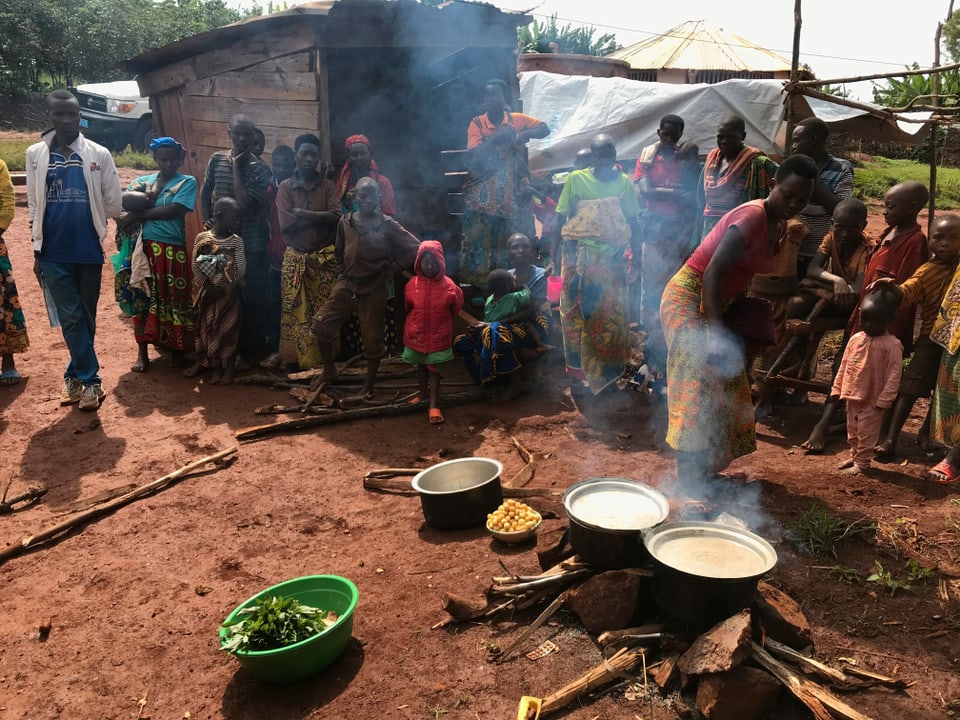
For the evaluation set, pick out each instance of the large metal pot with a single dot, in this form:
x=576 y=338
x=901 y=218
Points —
x=705 y=572
x=607 y=517
x=459 y=493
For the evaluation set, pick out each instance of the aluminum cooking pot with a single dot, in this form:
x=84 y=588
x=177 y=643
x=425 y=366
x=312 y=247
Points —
x=459 y=493
x=705 y=572
x=607 y=516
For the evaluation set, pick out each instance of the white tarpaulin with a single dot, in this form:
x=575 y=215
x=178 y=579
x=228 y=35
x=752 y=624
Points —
x=577 y=107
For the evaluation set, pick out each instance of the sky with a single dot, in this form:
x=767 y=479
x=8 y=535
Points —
x=839 y=38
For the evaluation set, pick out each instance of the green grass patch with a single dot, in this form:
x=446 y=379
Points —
x=131 y=158
x=13 y=153
x=874 y=177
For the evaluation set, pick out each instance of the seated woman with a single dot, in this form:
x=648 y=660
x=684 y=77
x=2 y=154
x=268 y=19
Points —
x=516 y=322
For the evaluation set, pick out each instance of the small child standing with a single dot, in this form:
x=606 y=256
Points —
x=868 y=378
x=219 y=267
x=925 y=288
x=432 y=301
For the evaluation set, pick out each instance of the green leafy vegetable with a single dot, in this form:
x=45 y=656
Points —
x=275 y=622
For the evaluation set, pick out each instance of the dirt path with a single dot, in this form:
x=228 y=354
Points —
x=128 y=622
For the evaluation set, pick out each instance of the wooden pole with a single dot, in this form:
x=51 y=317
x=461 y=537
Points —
x=108 y=507
x=934 y=126
x=794 y=77
x=364 y=413
x=878 y=76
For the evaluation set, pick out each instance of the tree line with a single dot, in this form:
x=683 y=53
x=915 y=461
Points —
x=60 y=43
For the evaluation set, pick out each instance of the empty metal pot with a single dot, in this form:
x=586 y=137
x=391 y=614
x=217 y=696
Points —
x=459 y=493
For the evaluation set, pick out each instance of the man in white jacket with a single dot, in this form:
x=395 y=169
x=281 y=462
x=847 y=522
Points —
x=72 y=190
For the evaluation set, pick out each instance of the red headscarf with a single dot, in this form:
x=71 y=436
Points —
x=343 y=179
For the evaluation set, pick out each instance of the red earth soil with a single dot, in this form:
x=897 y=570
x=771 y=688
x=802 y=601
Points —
x=136 y=598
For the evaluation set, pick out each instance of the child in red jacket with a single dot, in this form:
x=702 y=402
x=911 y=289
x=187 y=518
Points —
x=432 y=301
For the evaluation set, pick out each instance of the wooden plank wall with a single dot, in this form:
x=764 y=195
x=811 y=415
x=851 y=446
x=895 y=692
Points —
x=279 y=95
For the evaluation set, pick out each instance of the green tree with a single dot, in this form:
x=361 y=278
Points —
x=898 y=92
x=579 y=40
x=52 y=43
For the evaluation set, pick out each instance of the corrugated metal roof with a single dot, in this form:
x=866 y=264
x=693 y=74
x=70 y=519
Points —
x=694 y=46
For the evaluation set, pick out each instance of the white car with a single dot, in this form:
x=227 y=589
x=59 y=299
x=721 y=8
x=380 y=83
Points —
x=113 y=114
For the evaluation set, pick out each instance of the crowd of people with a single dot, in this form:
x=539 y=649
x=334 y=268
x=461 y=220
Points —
x=725 y=267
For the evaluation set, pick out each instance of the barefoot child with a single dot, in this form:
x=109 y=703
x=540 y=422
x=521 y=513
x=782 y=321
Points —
x=868 y=377
x=219 y=266
x=925 y=288
x=432 y=301
x=370 y=247
x=902 y=249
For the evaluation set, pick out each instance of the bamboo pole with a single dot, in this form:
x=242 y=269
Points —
x=882 y=114
x=108 y=507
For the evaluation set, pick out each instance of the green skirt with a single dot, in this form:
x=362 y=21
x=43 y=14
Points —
x=434 y=358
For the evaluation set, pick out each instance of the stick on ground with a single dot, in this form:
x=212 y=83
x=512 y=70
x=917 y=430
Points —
x=108 y=507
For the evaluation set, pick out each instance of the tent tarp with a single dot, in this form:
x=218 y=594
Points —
x=576 y=108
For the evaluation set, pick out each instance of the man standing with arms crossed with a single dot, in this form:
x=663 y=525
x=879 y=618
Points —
x=72 y=190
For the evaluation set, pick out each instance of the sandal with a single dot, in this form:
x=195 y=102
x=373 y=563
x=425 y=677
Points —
x=943 y=474
x=9 y=377
x=436 y=417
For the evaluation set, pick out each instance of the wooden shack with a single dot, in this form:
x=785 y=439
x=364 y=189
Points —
x=407 y=75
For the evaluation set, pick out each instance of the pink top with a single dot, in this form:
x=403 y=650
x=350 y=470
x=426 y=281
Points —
x=751 y=220
x=870 y=369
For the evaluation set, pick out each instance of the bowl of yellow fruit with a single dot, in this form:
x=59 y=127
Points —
x=513 y=522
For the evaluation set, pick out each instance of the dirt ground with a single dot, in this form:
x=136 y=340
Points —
x=128 y=622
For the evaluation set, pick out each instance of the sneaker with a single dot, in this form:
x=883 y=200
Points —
x=93 y=396
x=72 y=391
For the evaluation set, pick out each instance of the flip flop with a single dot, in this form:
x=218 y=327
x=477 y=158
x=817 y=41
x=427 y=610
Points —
x=9 y=377
x=943 y=474
x=436 y=417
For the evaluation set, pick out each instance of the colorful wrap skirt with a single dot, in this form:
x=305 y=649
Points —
x=708 y=411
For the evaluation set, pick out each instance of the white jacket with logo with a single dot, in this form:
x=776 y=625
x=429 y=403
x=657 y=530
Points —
x=99 y=172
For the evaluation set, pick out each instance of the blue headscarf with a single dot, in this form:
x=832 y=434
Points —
x=160 y=142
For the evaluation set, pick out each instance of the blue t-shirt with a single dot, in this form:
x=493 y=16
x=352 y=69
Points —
x=69 y=235
x=170 y=232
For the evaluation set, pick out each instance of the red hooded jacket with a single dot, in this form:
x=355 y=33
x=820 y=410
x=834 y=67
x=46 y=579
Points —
x=431 y=305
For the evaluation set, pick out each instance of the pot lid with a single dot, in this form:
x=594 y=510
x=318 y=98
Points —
x=615 y=504
x=706 y=549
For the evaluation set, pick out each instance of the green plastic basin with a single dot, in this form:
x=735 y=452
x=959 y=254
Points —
x=302 y=659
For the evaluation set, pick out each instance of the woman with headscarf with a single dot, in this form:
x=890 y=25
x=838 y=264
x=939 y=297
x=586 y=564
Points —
x=360 y=164
x=597 y=221
x=733 y=174
x=156 y=205
x=495 y=185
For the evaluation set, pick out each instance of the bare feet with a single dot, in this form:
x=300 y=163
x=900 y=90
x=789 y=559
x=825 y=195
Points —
x=816 y=442
x=848 y=463
x=215 y=377
x=193 y=370
x=855 y=470
x=925 y=443
x=227 y=377
x=886 y=451
x=141 y=365
x=328 y=375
